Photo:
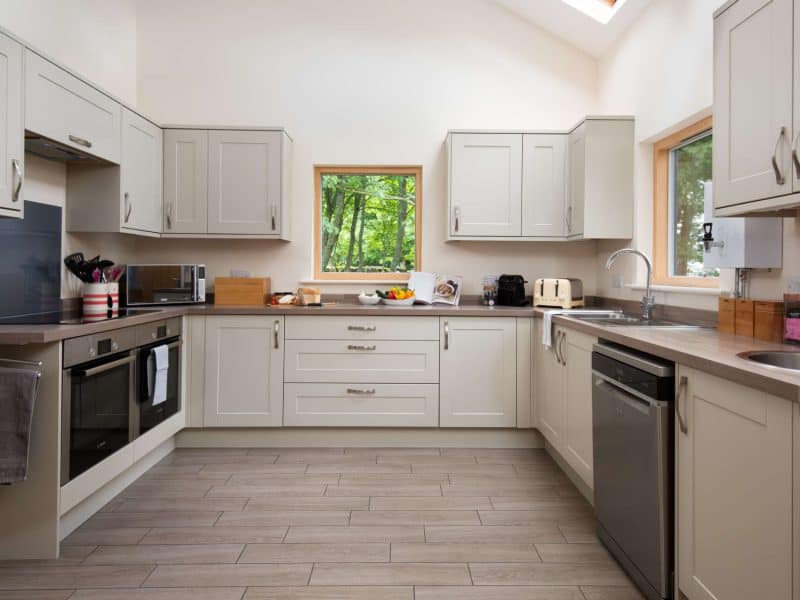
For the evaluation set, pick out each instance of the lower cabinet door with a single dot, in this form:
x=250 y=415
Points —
x=578 y=440
x=244 y=361
x=361 y=405
x=549 y=388
x=478 y=371
x=734 y=491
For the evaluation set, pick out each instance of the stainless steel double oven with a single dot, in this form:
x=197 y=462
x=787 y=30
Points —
x=108 y=395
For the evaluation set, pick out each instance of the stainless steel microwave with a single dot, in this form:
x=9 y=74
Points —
x=148 y=285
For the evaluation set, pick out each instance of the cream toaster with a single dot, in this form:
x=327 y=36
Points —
x=563 y=293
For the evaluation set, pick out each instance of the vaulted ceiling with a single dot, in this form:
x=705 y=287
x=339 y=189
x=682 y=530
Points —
x=579 y=22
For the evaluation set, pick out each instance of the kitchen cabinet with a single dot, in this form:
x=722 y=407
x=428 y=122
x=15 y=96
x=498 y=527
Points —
x=485 y=195
x=796 y=502
x=755 y=119
x=600 y=179
x=243 y=371
x=141 y=198
x=734 y=490
x=246 y=183
x=185 y=181
x=69 y=111
x=578 y=383
x=543 y=184
x=478 y=372
x=563 y=385
x=549 y=387
x=12 y=150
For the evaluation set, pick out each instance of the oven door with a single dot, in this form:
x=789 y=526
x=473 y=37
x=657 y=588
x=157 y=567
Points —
x=97 y=412
x=151 y=414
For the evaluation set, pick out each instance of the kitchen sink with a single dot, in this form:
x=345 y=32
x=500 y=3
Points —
x=622 y=319
x=784 y=359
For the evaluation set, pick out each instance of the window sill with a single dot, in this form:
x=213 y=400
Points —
x=677 y=289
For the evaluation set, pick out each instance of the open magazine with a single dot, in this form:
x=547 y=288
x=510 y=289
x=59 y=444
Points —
x=430 y=288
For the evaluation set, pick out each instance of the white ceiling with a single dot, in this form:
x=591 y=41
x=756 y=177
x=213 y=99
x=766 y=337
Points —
x=572 y=25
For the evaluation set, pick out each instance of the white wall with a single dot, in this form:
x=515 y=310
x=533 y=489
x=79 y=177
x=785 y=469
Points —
x=96 y=39
x=362 y=82
x=661 y=71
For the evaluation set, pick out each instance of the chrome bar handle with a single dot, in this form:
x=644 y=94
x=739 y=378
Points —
x=561 y=349
x=795 y=158
x=368 y=392
x=80 y=141
x=169 y=215
x=361 y=328
x=272 y=215
x=779 y=177
x=456 y=216
x=277 y=332
x=556 y=347
x=359 y=347
x=107 y=367
x=128 y=207
x=569 y=219
x=18 y=175
x=681 y=389
x=446 y=335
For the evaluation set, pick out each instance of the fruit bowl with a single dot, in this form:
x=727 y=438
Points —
x=404 y=302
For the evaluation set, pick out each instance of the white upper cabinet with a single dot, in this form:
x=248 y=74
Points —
x=485 y=185
x=140 y=174
x=754 y=129
x=543 y=174
x=478 y=372
x=245 y=182
x=185 y=181
x=12 y=150
x=67 y=110
x=543 y=185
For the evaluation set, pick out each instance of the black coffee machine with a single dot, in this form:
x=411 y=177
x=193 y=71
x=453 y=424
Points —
x=511 y=290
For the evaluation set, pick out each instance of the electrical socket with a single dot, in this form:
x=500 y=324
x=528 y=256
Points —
x=616 y=281
x=793 y=285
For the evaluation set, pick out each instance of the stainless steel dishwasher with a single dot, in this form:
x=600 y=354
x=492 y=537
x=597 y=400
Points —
x=632 y=400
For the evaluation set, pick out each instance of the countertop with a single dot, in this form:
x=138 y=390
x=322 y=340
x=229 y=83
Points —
x=705 y=349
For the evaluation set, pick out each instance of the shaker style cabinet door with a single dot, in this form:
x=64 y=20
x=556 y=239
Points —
x=578 y=437
x=753 y=133
x=244 y=182
x=576 y=198
x=543 y=185
x=485 y=185
x=244 y=379
x=12 y=143
x=478 y=372
x=549 y=386
x=140 y=174
x=185 y=181
x=734 y=490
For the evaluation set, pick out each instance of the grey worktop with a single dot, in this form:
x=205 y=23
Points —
x=704 y=349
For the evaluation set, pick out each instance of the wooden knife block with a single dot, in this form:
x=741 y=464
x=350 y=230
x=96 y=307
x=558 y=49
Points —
x=241 y=291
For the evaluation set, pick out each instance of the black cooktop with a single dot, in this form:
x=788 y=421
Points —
x=67 y=318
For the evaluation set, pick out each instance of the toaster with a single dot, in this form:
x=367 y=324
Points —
x=563 y=293
x=511 y=290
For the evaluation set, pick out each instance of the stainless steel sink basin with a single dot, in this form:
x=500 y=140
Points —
x=783 y=359
x=622 y=319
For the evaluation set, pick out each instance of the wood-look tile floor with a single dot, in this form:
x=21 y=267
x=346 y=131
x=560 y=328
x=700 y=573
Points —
x=334 y=523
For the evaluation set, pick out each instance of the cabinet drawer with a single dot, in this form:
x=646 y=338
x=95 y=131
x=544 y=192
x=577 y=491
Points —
x=345 y=361
x=362 y=328
x=360 y=405
x=67 y=110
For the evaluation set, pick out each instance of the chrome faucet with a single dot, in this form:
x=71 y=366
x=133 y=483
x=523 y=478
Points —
x=648 y=301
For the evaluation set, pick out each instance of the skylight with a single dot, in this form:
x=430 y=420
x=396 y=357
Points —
x=601 y=11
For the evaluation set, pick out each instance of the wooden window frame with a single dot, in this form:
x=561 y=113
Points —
x=661 y=233
x=319 y=171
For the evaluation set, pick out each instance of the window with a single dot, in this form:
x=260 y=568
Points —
x=681 y=177
x=367 y=222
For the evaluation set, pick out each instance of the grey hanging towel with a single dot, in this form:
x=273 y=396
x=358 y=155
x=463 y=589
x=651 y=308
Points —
x=17 y=396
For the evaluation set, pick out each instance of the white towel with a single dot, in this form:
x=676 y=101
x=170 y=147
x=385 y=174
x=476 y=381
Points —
x=160 y=356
